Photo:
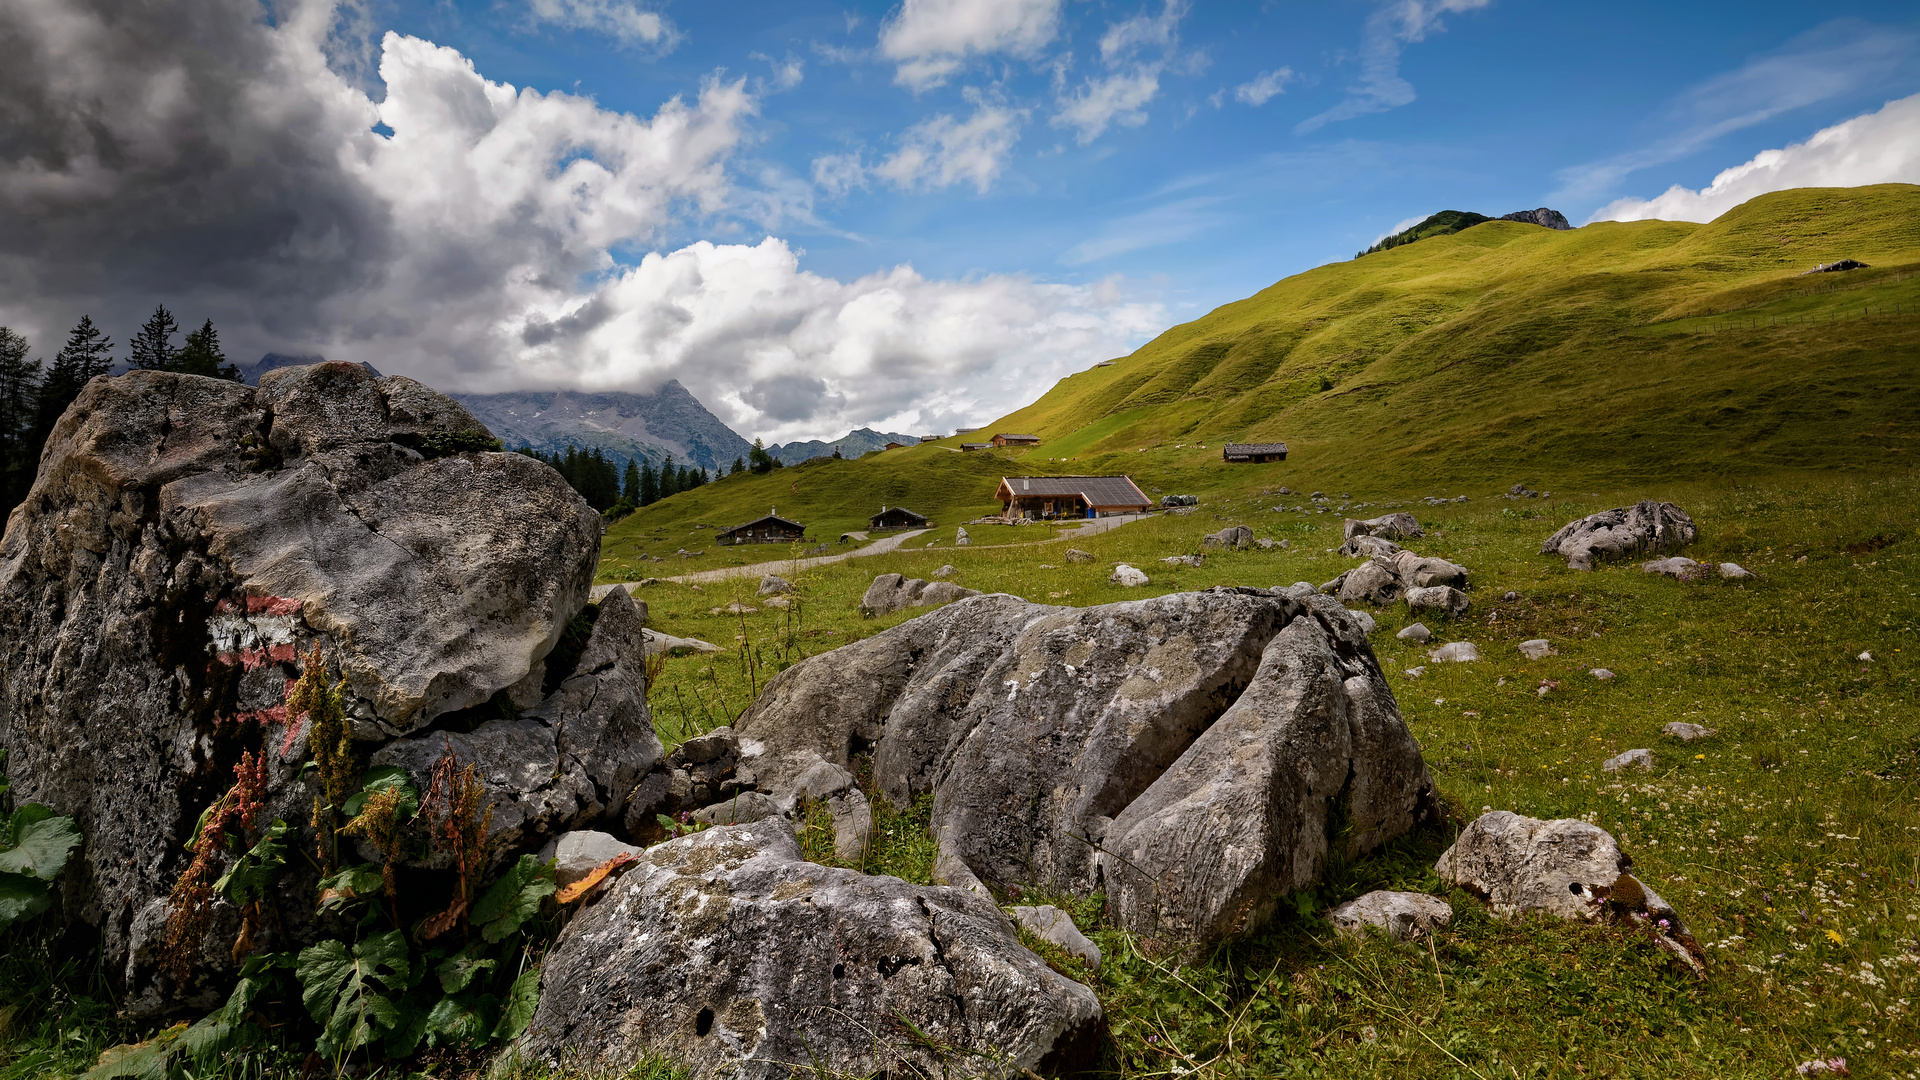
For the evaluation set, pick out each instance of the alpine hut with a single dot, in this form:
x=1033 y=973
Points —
x=1005 y=439
x=897 y=517
x=1246 y=453
x=1070 y=496
x=771 y=529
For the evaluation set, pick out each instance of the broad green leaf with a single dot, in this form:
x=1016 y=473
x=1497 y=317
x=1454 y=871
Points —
x=522 y=998
x=344 y=992
x=250 y=875
x=377 y=778
x=513 y=899
x=324 y=967
x=458 y=1020
x=405 y=1037
x=259 y=973
x=39 y=842
x=458 y=970
x=149 y=1060
x=21 y=897
x=351 y=885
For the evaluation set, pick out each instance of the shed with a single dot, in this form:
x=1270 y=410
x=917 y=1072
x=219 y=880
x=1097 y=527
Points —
x=771 y=529
x=1070 y=496
x=1004 y=439
x=894 y=446
x=897 y=517
x=976 y=446
x=1243 y=453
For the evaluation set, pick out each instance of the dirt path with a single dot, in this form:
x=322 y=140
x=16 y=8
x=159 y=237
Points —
x=878 y=547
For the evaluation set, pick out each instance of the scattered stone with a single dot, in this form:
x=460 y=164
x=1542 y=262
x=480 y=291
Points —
x=1235 y=537
x=1547 y=686
x=727 y=951
x=892 y=592
x=1385 y=529
x=1521 y=491
x=578 y=853
x=1128 y=576
x=1367 y=625
x=1510 y=596
x=772 y=585
x=1421 y=572
x=1372 y=582
x=1458 y=652
x=1403 y=915
x=1686 y=732
x=1184 y=560
x=1632 y=759
x=1537 y=649
x=1736 y=572
x=734 y=608
x=1621 y=533
x=1443 y=598
x=1416 y=672
x=1567 y=868
x=739 y=809
x=1865 y=656
x=961 y=539
x=1075 y=555
x=945 y=571
x=1050 y=924
x=1678 y=567
x=1370 y=546
x=1266 y=543
x=852 y=819
x=658 y=643
x=1214 y=726
x=779 y=602
x=1417 y=633
x=1601 y=673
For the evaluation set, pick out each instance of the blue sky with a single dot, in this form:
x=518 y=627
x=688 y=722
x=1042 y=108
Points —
x=817 y=215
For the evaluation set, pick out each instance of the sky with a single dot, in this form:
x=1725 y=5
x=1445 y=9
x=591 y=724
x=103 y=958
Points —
x=817 y=216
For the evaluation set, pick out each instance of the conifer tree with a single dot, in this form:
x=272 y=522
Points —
x=630 y=483
x=649 y=485
x=201 y=355
x=152 y=348
x=739 y=466
x=758 y=459
x=667 y=478
x=88 y=353
x=19 y=389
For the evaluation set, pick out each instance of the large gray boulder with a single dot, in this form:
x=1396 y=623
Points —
x=1184 y=752
x=1386 y=528
x=1233 y=536
x=893 y=592
x=1646 y=527
x=187 y=539
x=1565 y=867
x=727 y=951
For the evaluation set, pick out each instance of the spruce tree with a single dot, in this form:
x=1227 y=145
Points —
x=87 y=354
x=739 y=466
x=201 y=355
x=19 y=389
x=667 y=478
x=758 y=459
x=630 y=483
x=649 y=485
x=152 y=348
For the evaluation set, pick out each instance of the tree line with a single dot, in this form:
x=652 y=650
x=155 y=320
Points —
x=33 y=394
x=616 y=492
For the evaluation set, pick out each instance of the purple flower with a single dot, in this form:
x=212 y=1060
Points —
x=1664 y=925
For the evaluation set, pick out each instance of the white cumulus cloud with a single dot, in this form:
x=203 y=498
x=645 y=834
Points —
x=930 y=40
x=1878 y=148
x=1388 y=32
x=621 y=20
x=941 y=151
x=1135 y=53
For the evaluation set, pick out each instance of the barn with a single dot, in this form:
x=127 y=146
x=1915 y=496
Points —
x=1005 y=439
x=897 y=517
x=771 y=529
x=1246 y=453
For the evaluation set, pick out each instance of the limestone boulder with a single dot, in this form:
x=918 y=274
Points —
x=1233 y=536
x=1375 y=536
x=1444 y=599
x=1050 y=924
x=1646 y=527
x=1075 y=555
x=1566 y=868
x=1402 y=916
x=1372 y=582
x=1182 y=752
x=1129 y=577
x=727 y=951
x=1425 y=572
x=893 y=592
x=774 y=585
x=186 y=540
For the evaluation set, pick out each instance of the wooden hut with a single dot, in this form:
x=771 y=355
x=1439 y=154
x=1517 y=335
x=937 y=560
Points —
x=1004 y=439
x=1070 y=496
x=972 y=446
x=1246 y=453
x=771 y=529
x=897 y=517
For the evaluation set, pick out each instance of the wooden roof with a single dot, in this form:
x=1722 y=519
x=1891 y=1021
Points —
x=1096 y=490
x=763 y=519
x=1021 y=438
x=1233 y=448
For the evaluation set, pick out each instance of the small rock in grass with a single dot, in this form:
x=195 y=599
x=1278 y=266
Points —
x=1128 y=576
x=1075 y=555
x=1735 y=572
x=773 y=585
x=1403 y=915
x=1547 y=686
x=1537 y=649
x=1601 y=673
x=735 y=608
x=1457 y=651
x=1367 y=625
x=1632 y=759
x=1865 y=656
x=1416 y=672
x=945 y=571
x=1050 y=924
x=1510 y=595
x=1184 y=560
x=1443 y=598
x=780 y=602
x=1417 y=633
x=852 y=825
x=961 y=539
x=1686 y=732
x=1679 y=567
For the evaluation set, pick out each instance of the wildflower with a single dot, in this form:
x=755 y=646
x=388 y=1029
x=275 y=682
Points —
x=1833 y=1066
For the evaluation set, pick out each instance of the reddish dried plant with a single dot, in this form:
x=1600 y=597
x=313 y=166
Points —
x=457 y=826
x=191 y=902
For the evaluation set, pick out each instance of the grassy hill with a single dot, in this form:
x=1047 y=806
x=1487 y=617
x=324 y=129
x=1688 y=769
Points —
x=1444 y=223
x=1614 y=354
x=1629 y=349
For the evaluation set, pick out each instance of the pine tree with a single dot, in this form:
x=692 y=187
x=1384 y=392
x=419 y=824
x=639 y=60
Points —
x=152 y=348
x=630 y=483
x=649 y=485
x=667 y=478
x=201 y=355
x=19 y=390
x=87 y=354
x=739 y=466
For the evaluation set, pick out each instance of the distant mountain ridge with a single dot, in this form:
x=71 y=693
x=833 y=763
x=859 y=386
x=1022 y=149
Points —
x=856 y=442
x=1448 y=222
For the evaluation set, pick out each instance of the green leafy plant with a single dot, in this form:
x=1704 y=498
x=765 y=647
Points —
x=34 y=849
x=436 y=444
